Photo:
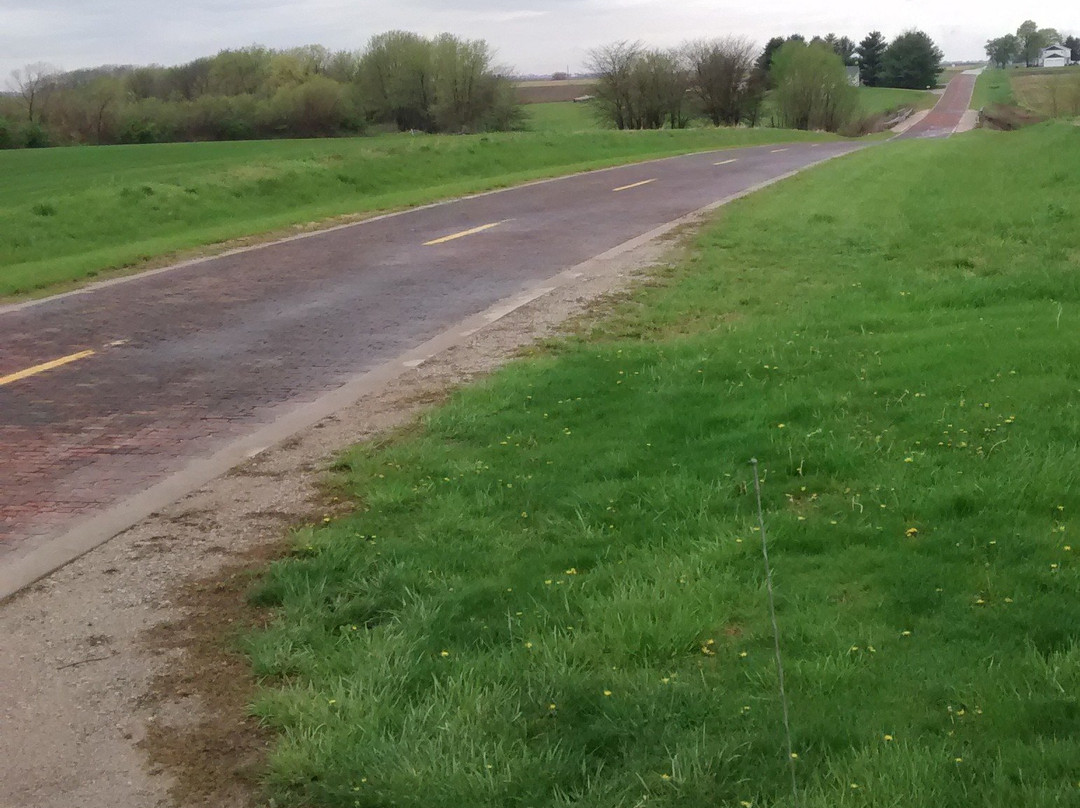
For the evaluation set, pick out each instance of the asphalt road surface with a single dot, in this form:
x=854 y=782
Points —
x=108 y=391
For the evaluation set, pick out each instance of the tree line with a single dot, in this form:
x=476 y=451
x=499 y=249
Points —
x=400 y=80
x=727 y=80
x=1026 y=45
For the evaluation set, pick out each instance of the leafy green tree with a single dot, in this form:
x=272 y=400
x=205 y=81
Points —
x=764 y=62
x=1033 y=39
x=912 y=61
x=1003 y=51
x=871 y=52
x=812 y=88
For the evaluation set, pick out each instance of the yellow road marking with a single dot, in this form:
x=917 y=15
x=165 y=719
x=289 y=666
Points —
x=777 y=151
x=36 y=369
x=635 y=185
x=462 y=234
x=725 y=162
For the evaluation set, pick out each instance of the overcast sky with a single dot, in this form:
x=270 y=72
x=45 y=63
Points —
x=531 y=36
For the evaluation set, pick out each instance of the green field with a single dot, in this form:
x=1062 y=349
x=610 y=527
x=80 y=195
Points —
x=561 y=116
x=71 y=214
x=882 y=100
x=552 y=592
x=992 y=87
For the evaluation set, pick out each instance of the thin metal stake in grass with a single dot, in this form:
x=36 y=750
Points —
x=776 y=632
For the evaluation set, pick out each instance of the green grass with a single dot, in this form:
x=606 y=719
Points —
x=992 y=87
x=552 y=593
x=881 y=100
x=561 y=116
x=70 y=214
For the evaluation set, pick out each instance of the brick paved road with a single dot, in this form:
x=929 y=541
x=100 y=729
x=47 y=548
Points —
x=948 y=112
x=191 y=358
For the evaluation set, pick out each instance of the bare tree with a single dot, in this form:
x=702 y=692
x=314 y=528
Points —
x=639 y=88
x=33 y=84
x=723 y=73
x=614 y=65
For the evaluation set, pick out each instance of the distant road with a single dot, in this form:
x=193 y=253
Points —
x=948 y=114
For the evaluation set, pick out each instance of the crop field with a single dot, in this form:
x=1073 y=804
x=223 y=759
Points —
x=546 y=92
x=552 y=590
x=71 y=214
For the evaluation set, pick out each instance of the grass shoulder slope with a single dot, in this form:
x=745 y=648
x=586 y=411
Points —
x=71 y=214
x=553 y=595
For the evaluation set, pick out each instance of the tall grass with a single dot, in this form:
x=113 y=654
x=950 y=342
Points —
x=69 y=214
x=553 y=594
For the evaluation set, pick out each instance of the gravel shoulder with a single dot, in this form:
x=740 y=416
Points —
x=122 y=685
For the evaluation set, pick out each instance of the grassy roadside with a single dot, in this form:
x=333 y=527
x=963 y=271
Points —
x=992 y=87
x=880 y=100
x=553 y=595
x=70 y=214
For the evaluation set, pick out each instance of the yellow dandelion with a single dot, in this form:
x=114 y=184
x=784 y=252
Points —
x=665 y=776
x=528 y=645
x=911 y=532
x=607 y=692
x=444 y=653
x=958 y=760
x=742 y=654
x=571 y=571
x=888 y=737
x=780 y=426
x=905 y=633
x=794 y=755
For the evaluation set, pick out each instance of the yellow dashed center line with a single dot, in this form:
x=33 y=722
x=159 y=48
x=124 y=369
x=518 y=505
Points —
x=462 y=234
x=635 y=185
x=36 y=369
x=725 y=162
x=777 y=151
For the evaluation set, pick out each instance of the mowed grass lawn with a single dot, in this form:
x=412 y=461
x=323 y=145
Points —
x=70 y=214
x=552 y=591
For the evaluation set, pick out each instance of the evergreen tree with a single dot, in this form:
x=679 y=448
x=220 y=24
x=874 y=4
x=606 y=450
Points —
x=912 y=61
x=871 y=51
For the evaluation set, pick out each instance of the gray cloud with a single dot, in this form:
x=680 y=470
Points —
x=537 y=36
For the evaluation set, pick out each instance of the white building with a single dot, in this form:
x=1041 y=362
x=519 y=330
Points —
x=1055 y=56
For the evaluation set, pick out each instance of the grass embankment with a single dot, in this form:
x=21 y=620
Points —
x=992 y=87
x=69 y=214
x=1051 y=92
x=553 y=592
x=882 y=100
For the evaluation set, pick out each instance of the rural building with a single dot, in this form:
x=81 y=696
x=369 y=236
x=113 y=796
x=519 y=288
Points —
x=1055 y=56
x=853 y=76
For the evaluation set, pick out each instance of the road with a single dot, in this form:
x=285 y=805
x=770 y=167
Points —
x=949 y=111
x=108 y=392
